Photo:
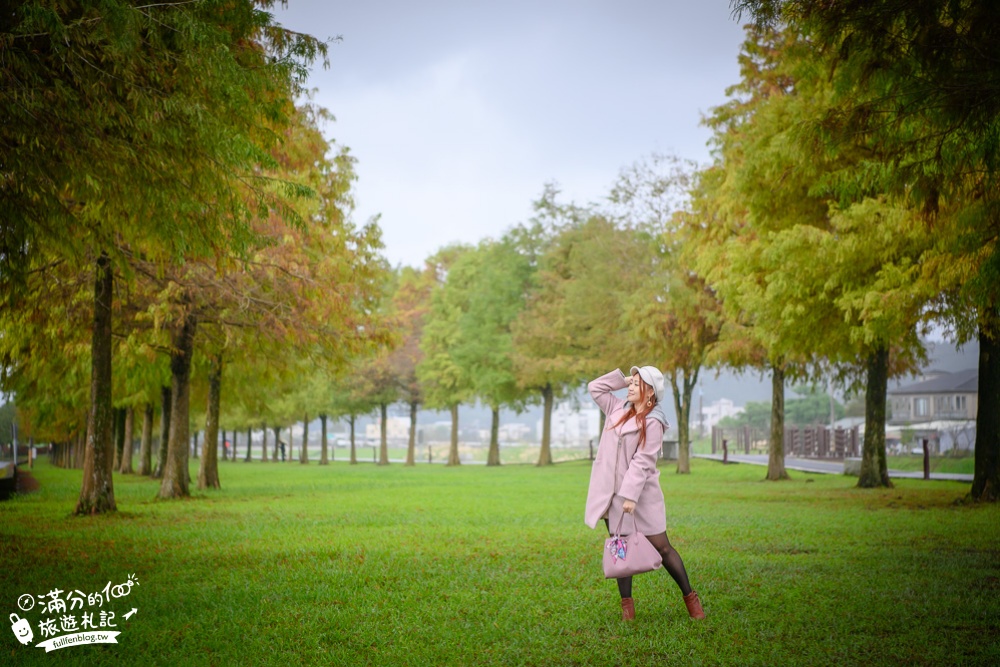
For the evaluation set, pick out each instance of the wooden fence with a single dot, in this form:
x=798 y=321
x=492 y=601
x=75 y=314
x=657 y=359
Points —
x=812 y=442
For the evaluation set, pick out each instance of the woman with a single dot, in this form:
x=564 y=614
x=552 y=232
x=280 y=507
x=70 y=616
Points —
x=624 y=477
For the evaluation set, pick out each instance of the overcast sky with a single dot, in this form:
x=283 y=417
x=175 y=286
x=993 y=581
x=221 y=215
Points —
x=459 y=112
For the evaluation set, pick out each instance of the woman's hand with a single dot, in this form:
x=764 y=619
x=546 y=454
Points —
x=628 y=506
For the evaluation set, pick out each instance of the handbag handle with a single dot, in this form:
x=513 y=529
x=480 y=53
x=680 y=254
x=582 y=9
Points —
x=618 y=529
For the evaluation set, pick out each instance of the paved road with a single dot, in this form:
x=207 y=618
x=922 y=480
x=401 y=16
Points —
x=829 y=467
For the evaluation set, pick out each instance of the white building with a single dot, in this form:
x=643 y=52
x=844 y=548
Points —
x=514 y=432
x=396 y=428
x=573 y=427
x=712 y=413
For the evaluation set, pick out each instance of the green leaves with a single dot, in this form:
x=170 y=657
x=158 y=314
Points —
x=799 y=250
x=166 y=135
x=444 y=381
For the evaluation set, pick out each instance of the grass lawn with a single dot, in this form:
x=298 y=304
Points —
x=360 y=565
x=438 y=453
x=947 y=464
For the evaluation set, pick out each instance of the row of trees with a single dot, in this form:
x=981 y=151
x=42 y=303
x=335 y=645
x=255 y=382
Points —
x=851 y=204
x=812 y=407
x=830 y=229
x=574 y=293
x=167 y=208
x=854 y=196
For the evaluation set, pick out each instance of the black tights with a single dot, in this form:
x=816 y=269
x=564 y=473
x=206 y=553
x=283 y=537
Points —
x=671 y=562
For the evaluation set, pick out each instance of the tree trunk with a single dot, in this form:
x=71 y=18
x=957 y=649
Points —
x=453 y=458
x=97 y=493
x=383 y=447
x=246 y=459
x=277 y=443
x=176 y=474
x=986 y=479
x=323 y=453
x=208 y=470
x=161 y=458
x=682 y=406
x=187 y=449
x=194 y=445
x=683 y=460
x=354 y=449
x=545 y=452
x=304 y=454
x=493 y=458
x=146 y=448
x=776 y=445
x=119 y=439
x=411 y=446
x=263 y=443
x=874 y=469
x=81 y=450
x=79 y=446
x=126 y=467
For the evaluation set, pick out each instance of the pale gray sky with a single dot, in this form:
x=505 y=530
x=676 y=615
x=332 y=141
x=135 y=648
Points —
x=460 y=112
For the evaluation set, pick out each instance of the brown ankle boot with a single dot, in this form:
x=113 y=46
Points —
x=693 y=605
x=628 y=609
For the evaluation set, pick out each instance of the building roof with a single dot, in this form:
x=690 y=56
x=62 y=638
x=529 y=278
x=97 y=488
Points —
x=849 y=422
x=962 y=382
x=944 y=425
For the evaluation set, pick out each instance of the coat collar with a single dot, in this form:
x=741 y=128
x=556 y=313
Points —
x=630 y=426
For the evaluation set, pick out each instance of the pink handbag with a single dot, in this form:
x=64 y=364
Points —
x=625 y=555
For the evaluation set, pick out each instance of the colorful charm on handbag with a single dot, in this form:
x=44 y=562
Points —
x=618 y=549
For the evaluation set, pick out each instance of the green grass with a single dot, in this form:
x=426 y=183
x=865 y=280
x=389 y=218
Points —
x=701 y=445
x=945 y=464
x=361 y=565
x=909 y=462
x=438 y=453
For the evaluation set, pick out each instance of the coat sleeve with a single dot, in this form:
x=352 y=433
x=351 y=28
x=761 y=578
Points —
x=643 y=464
x=601 y=388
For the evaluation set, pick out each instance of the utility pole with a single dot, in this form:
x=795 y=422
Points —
x=701 y=410
x=833 y=413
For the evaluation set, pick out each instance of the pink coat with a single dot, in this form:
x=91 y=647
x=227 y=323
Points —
x=637 y=477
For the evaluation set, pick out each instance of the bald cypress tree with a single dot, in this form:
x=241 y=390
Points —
x=918 y=83
x=132 y=130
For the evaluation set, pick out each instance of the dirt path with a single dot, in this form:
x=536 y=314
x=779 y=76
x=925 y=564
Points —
x=26 y=483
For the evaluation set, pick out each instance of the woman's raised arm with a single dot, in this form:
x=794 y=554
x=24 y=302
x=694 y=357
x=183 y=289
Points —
x=601 y=388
